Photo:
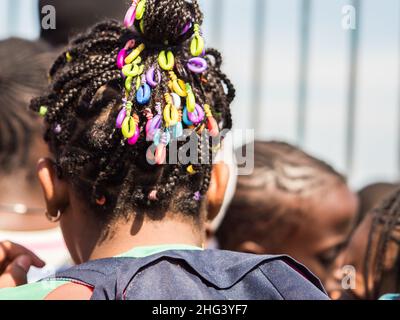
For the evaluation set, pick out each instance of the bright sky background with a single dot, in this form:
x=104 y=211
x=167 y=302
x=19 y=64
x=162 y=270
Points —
x=377 y=128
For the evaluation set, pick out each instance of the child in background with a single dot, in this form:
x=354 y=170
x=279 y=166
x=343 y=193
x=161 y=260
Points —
x=22 y=207
x=292 y=204
x=373 y=252
x=371 y=196
x=131 y=215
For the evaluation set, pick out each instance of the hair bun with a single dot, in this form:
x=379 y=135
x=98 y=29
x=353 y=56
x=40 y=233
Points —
x=164 y=21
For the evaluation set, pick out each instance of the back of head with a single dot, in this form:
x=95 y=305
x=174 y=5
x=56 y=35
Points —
x=371 y=196
x=23 y=75
x=284 y=182
x=382 y=258
x=120 y=98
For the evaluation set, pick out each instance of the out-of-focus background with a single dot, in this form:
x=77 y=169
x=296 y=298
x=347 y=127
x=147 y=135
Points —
x=300 y=76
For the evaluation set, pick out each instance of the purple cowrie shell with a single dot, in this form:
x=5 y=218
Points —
x=151 y=80
x=186 y=28
x=197 y=65
x=120 y=119
x=197 y=116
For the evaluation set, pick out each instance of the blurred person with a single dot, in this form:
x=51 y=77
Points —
x=75 y=16
x=373 y=253
x=371 y=196
x=291 y=204
x=23 y=75
x=136 y=228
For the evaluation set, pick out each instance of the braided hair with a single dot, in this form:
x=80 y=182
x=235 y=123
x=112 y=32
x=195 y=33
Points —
x=19 y=130
x=89 y=91
x=385 y=226
x=282 y=175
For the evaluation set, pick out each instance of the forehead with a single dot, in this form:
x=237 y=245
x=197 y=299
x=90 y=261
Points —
x=334 y=209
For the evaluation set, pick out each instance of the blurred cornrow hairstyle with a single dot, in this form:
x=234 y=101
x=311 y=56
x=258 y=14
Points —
x=18 y=84
x=290 y=169
x=86 y=97
x=386 y=221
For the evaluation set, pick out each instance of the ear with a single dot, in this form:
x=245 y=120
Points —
x=55 y=190
x=251 y=247
x=216 y=192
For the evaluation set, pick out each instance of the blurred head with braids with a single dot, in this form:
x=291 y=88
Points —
x=373 y=253
x=24 y=66
x=21 y=139
x=293 y=204
x=123 y=100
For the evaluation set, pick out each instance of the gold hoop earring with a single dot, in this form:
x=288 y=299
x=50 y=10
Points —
x=53 y=219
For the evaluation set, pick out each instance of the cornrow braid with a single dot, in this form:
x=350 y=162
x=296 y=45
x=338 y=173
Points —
x=122 y=95
x=386 y=220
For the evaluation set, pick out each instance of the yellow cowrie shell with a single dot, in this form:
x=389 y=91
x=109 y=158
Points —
x=197 y=45
x=190 y=99
x=171 y=115
x=166 y=60
x=131 y=70
x=140 y=9
x=134 y=54
x=179 y=87
x=128 y=84
x=128 y=127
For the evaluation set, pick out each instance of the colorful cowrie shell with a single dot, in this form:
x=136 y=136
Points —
x=120 y=119
x=130 y=15
x=132 y=141
x=171 y=115
x=177 y=101
x=150 y=77
x=131 y=70
x=166 y=60
x=152 y=126
x=197 y=116
x=134 y=54
x=179 y=87
x=185 y=118
x=128 y=84
x=140 y=9
x=190 y=99
x=143 y=95
x=129 y=127
x=197 y=65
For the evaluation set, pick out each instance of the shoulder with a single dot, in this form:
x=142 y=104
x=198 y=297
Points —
x=34 y=291
x=292 y=280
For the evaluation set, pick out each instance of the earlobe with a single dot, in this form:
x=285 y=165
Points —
x=54 y=190
x=216 y=192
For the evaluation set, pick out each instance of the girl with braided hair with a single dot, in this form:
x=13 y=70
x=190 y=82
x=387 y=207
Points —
x=373 y=252
x=125 y=106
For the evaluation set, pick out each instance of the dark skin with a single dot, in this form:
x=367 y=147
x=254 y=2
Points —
x=22 y=187
x=314 y=239
x=83 y=233
x=354 y=255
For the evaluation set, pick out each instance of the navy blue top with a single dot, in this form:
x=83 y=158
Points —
x=197 y=275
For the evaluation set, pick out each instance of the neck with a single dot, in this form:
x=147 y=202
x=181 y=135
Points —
x=126 y=235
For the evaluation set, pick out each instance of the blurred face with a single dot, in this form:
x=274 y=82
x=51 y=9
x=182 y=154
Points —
x=319 y=238
x=354 y=257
